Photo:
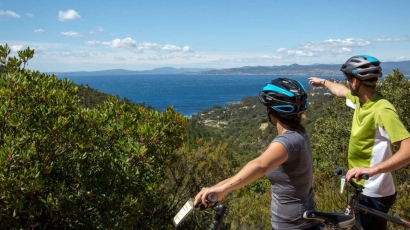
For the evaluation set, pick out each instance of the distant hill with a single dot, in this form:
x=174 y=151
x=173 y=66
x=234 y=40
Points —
x=163 y=70
x=313 y=70
x=294 y=69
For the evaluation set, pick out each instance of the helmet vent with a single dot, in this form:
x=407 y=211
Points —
x=365 y=66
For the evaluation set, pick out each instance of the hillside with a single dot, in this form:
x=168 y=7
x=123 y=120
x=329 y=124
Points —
x=244 y=127
x=312 y=70
x=163 y=70
x=238 y=121
x=294 y=69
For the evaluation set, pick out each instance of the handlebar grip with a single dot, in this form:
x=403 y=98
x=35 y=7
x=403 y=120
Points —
x=339 y=171
x=364 y=176
x=212 y=197
x=358 y=187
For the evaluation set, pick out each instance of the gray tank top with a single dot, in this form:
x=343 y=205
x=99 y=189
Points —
x=291 y=183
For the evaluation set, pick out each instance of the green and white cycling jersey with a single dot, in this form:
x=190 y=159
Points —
x=375 y=127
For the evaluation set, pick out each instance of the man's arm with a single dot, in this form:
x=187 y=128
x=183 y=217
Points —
x=400 y=159
x=337 y=89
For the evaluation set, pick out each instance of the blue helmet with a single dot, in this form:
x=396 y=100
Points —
x=362 y=67
x=284 y=95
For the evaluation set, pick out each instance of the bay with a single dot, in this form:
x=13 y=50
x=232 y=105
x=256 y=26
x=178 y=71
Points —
x=188 y=94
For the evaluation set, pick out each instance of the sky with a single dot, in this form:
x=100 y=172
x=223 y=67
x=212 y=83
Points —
x=90 y=35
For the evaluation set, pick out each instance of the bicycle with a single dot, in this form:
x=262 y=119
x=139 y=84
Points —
x=220 y=209
x=347 y=219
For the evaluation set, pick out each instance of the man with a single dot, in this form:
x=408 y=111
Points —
x=375 y=127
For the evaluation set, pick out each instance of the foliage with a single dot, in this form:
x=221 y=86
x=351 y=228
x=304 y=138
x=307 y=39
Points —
x=72 y=157
x=211 y=162
x=396 y=88
x=243 y=125
x=65 y=166
x=328 y=123
x=331 y=138
x=3 y=68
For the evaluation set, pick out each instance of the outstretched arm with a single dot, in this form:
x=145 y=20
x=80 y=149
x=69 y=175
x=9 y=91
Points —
x=275 y=155
x=337 y=89
x=400 y=159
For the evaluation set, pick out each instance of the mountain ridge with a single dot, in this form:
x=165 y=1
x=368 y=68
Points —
x=293 y=69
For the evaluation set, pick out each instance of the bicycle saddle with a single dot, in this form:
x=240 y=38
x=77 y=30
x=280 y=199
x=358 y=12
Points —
x=338 y=219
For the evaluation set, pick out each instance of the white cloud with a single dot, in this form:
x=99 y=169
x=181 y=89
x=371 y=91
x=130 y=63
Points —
x=271 y=57
x=39 y=31
x=71 y=34
x=403 y=58
x=346 y=50
x=30 y=15
x=15 y=48
x=121 y=43
x=100 y=29
x=329 y=47
x=120 y=58
x=76 y=54
x=9 y=13
x=148 y=46
x=383 y=39
x=136 y=46
x=300 y=53
x=171 y=48
x=387 y=39
x=68 y=15
x=92 y=42
x=40 y=50
x=334 y=43
x=186 y=49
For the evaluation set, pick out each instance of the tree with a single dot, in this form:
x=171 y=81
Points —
x=396 y=88
x=63 y=165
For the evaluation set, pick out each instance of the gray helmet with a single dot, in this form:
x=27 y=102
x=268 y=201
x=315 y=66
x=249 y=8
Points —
x=362 y=67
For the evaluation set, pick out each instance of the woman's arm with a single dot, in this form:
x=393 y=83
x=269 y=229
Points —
x=275 y=155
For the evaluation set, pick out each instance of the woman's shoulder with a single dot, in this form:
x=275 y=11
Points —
x=292 y=136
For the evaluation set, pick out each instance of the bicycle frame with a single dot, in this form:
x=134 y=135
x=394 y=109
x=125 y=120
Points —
x=354 y=207
x=347 y=220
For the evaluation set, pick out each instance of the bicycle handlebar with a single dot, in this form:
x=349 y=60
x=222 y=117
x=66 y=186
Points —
x=210 y=198
x=341 y=171
x=220 y=209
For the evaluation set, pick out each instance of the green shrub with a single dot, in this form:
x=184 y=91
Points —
x=64 y=166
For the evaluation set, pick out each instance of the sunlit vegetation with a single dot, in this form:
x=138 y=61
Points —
x=75 y=158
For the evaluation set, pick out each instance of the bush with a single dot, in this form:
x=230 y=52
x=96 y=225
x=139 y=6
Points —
x=63 y=166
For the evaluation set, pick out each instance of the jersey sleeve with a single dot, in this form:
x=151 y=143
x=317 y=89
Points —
x=389 y=121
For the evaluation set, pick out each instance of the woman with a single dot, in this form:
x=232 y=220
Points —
x=287 y=162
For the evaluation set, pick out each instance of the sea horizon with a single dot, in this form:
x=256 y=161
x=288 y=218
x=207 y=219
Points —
x=188 y=94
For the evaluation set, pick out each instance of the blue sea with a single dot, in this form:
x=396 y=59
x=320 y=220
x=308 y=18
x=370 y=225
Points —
x=188 y=94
